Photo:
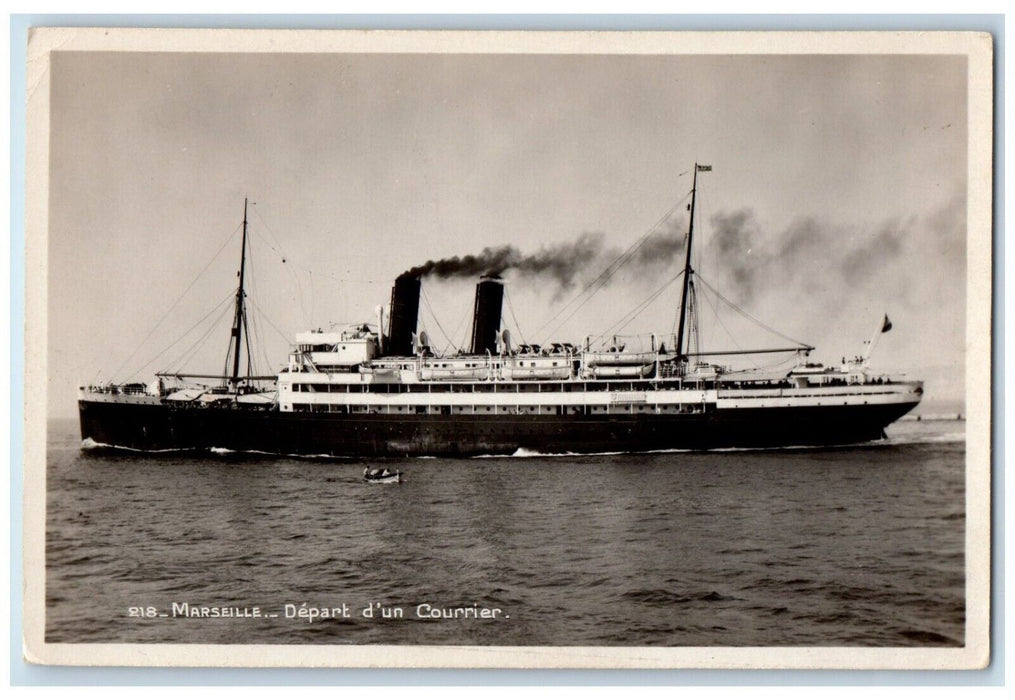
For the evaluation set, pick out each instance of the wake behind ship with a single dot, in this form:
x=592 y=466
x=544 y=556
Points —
x=361 y=391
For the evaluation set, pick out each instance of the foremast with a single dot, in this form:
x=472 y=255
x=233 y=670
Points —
x=240 y=317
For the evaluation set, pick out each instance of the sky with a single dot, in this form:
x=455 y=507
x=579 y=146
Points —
x=837 y=195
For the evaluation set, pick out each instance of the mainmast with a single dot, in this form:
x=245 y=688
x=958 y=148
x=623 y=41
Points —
x=240 y=315
x=687 y=262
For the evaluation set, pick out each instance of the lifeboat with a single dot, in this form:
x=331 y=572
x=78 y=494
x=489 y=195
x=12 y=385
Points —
x=599 y=359
x=387 y=373
x=620 y=371
x=453 y=371
x=540 y=371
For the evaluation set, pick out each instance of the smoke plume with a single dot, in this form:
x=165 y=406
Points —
x=564 y=264
x=825 y=261
x=810 y=261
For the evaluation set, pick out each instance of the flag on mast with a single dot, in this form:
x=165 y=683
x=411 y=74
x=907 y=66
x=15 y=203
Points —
x=886 y=325
x=704 y=168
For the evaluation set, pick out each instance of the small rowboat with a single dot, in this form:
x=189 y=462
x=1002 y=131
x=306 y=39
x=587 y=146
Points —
x=382 y=476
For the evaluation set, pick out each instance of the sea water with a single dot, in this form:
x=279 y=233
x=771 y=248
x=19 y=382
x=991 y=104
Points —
x=798 y=547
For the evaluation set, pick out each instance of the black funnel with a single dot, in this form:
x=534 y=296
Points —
x=404 y=313
x=486 y=315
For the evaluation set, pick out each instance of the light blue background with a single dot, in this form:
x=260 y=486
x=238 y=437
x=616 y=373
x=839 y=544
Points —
x=26 y=674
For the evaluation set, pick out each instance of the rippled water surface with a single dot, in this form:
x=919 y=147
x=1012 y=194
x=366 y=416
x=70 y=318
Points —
x=851 y=546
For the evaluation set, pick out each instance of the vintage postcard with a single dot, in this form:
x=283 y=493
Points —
x=508 y=349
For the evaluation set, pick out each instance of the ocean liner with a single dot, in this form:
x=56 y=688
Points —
x=364 y=392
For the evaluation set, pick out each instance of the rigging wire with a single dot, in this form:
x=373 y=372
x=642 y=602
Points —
x=718 y=318
x=747 y=315
x=267 y=318
x=253 y=362
x=182 y=359
x=240 y=319
x=699 y=252
x=451 y=343
x=511 y=309
x=429 y=306
x=645 y=305
x=466 y=344
x=627 y=318
x=693 y=335
x=186 y=333
x=175 y=304
x=604 y=277
x=285 y=257
x=225 y=363
x=421 y=321
x=268 y=228
x=188 y=355
x=764 y=368
x=255 y=333
x=250 y=368
x=252 y=286
x=261 y=342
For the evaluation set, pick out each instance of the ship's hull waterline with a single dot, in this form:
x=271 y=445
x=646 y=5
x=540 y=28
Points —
x=154 y=427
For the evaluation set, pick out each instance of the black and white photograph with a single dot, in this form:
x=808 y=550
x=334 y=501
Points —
x=508 y=349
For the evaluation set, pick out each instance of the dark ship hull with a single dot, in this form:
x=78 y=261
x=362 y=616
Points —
x=159 y=427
